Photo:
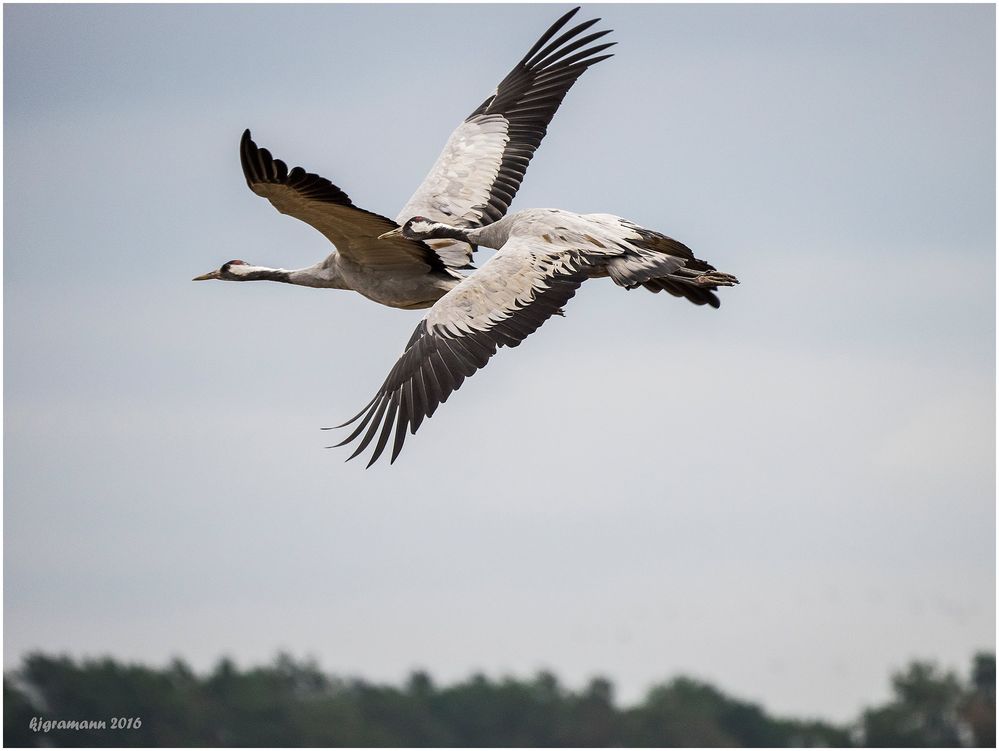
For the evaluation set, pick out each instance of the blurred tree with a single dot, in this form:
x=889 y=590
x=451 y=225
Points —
x=591 y=718
x=291 y=703
x=979 y=708
x=17 y=713
x=923 y=713
x=686 y=712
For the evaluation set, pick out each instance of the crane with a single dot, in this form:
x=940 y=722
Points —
x=472 y=183
x=543 y=256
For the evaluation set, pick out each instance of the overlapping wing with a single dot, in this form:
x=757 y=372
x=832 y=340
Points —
x=321 y=204
x=483 y=163
x=502 y=303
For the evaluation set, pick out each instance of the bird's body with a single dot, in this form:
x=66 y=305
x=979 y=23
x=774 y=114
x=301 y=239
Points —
x=406 y=291
x=387 y=287
x=543 y=256
x=471 y=184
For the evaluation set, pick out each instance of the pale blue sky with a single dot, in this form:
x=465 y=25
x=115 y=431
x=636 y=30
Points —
x=789 y=496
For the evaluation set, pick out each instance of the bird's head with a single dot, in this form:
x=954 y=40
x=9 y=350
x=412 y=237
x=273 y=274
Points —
x=230 y=271
x=418 y=228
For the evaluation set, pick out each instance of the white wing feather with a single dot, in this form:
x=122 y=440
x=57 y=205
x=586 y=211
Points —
x=481 y=167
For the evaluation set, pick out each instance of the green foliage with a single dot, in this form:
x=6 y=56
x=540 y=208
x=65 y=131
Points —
x=689 y=713
x=293 y=703
x=924 y=712
x=979 y=706
x=933 y=708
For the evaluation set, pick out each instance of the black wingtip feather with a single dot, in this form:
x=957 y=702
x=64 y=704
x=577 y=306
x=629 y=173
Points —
x=260 y=166
x=387 y=425
x=374 y=422
x=574 y=31
x=556 y=51
x=362 y=426
x=552 y=31
x=583 y=59
x=354 y=418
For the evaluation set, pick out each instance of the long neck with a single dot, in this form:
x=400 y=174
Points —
x=441 y=231
x=491 y=236
x=321 y=274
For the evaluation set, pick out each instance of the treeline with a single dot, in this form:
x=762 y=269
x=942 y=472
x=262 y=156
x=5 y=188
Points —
x=293 y=703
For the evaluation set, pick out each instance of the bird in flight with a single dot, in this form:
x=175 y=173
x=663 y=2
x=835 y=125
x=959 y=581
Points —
x=543 y=256
x=472 y=184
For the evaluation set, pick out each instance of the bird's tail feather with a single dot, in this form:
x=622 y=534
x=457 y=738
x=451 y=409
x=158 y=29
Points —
x=698 y=287
x=664 y=264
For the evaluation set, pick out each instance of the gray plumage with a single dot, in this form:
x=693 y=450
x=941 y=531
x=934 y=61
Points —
x=543 y=256
x=472 y=183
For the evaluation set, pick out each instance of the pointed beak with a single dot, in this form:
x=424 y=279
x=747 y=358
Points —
x=209 y=275
x=397 y=232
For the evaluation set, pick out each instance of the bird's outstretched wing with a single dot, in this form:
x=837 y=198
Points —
x=517 y=290
x=482 y=165
x=321 y=204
